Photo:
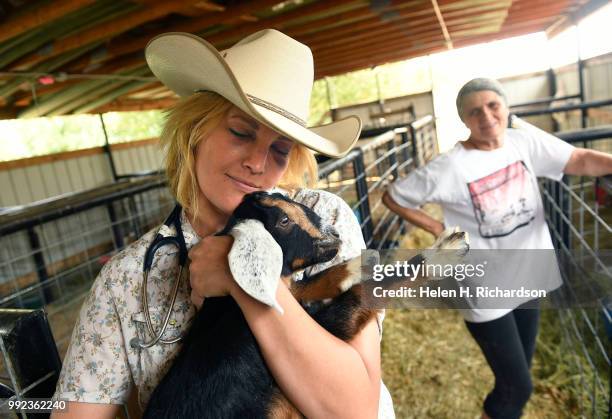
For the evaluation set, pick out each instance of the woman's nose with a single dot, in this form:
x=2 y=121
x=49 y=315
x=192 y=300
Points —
x=486 y=115
x=256 y=159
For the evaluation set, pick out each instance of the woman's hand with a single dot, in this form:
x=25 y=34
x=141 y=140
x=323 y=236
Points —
x=209 y=271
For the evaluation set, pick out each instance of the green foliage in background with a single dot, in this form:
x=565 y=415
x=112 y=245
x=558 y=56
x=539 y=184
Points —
x=395 y=79
x=129 y=126
x=21 y=138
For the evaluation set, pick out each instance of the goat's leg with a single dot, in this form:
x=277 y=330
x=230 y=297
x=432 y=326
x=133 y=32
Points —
x=329 y=283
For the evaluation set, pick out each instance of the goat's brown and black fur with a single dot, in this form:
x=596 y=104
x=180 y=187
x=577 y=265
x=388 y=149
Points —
x=220 y=372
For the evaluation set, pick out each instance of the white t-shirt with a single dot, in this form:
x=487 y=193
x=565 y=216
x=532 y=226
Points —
x=492 y=195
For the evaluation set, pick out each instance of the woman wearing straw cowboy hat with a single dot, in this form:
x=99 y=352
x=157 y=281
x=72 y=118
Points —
x=239 y=127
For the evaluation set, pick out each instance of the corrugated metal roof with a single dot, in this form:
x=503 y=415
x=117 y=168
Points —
x=74 y=56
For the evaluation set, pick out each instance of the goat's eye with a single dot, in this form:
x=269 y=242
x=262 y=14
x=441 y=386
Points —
x=284 y=222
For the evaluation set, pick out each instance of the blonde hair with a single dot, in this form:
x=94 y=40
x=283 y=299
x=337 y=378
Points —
x=190 y=121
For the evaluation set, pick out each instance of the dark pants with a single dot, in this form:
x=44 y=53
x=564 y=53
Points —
x=508 y=344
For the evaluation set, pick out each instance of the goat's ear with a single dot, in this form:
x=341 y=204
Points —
x=252 y=210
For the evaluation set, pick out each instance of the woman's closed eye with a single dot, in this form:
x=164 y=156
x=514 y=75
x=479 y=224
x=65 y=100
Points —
x=281 y=149
x=241 y=134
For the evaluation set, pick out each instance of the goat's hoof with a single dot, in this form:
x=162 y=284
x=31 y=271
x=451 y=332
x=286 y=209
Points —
x=453 y=239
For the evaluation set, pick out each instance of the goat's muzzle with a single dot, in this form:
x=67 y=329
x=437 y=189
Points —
x=328 y=245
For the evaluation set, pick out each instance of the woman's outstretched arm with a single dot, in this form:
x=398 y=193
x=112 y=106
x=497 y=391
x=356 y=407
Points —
x=414 y=216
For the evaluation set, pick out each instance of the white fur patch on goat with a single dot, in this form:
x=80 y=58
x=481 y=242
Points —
x=353 y=267
x=256 y=261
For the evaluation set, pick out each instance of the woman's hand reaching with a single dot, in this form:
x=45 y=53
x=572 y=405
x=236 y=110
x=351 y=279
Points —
x=209 y=271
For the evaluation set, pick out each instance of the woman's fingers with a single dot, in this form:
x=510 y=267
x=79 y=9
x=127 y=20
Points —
x=209 y=273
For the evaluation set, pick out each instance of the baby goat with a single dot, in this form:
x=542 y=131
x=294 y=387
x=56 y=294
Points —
x=220 y=371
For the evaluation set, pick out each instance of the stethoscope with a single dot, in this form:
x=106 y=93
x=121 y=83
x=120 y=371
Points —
x=160 y=240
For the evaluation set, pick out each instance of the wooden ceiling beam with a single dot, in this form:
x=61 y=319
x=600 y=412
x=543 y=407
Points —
x=442 y=23
x=24 y=98
x=571 y=18
x=122 y=64
x=100 y=100
x=83 y=64
x=127 y=105
x=284 y=21
x=424 y=13
x=352 y=17
x=200 y=9
x=534 y=13
x=228 y=16
x=82 y=94
x=124 y=45
x=355 y=18
x=375 y=41
x=542 y=4
x=475 y=11
x=121 y=47
x=383 y=43
x=410 y=30
x=39 y=16
x=9 y=112
x=378 y=59
x=125 y=64
x=506 y=33
x=104 y=30
x=390 y=45
x=397 y=53
x=139 y=43
x=540 y=23
x=466 y=4
x=148 y=88
x=410 y=18
x=422 y=17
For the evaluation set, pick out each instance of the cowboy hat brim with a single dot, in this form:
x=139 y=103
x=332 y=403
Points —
x=187 y=64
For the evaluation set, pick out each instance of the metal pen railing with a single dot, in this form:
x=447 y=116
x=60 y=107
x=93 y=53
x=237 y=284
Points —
x=361 y=177
x=579 y=221
x=51 y=251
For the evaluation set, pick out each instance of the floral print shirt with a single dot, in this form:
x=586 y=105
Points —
x=101 y=364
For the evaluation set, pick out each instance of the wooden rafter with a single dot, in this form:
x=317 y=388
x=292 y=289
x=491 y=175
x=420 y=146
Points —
x=107 y=37
x=124 y=45
x=104 y=31
x=282 y=21
x=121 y=47
x=364 y=27
x=387 y=37
x=125 y=105
x=378 y=59
x=39 y=16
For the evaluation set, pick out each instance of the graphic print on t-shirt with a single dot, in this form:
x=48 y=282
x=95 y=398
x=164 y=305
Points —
x=504 y=200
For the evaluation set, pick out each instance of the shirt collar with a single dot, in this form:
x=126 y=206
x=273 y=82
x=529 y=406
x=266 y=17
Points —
x=191 y=237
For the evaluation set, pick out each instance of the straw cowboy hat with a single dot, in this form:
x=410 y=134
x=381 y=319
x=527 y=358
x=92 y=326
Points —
x=267 y=74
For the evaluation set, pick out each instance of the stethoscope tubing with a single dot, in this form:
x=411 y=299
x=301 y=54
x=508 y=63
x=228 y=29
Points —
x=159 y=241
